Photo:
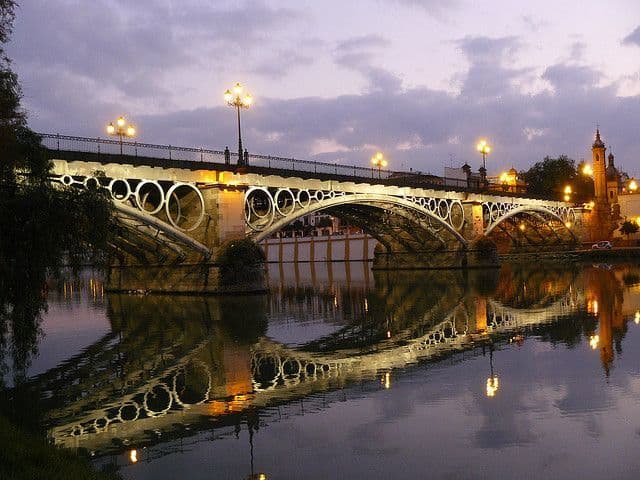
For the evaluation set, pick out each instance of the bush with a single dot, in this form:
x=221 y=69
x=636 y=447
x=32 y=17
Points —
x=240 y=261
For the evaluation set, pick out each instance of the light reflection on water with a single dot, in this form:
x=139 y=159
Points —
x=341 y=372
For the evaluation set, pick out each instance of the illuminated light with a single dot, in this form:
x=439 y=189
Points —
x=595 y=307
x=593 y=341
x=247 y=100
x=133 y=455
x=567 y=224
x=633 y=186
x=567 y=190
x=384 y=163
x=262 y=476
x=366 y=305
x=237 y=89
x=636 y=319
x=131 y=131
x=388 y=333
x=335 y=302
x=493 y=385
x=592 y=204
x=522 y=227
x=228 y=96
x=386 y=380
x=111 y=129
x=121 y=121
x=567 y=198
x=483 y=147
x=587 y=170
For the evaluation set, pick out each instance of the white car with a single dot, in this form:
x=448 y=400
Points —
x=604 y=245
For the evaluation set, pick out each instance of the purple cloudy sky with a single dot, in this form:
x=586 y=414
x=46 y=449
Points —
x=421 y=80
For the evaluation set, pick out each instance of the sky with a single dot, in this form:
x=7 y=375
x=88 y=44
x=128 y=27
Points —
x=420 y=80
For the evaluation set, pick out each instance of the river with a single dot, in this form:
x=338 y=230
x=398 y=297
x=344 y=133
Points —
x=341 y=372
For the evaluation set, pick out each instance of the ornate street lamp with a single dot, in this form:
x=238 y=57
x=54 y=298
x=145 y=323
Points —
x=379 y=161
x=235 y=98
x=484 y=148
x=121 y=129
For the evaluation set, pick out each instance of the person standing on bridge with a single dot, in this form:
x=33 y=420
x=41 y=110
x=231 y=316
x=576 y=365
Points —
x=227 y=155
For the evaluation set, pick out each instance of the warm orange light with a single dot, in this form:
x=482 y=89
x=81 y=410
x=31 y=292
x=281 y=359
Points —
x=633 y=186
x=378 y=160
x=237 y=89
x=133 y=455
x=636 y=319
x=593 y=341
x=121 y=121
x=567 y=197
x=568 y=190
x=567 y=224
x=522 y=227
x=493 y=385
x=228 y=96
x=483 y=147
x=247 y=100
x=111 y=129
x=587 y=169
x=131 y=131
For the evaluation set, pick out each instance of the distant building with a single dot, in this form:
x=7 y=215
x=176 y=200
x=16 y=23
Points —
x=462 y=177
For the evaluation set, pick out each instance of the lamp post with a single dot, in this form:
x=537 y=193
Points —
x=379 y=161
x=567 y=193
x=121 y=129
x=235 y=98
x=484 y=148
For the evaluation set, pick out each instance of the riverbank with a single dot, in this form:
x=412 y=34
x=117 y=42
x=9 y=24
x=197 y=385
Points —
x=613 y=254
x=26 y=457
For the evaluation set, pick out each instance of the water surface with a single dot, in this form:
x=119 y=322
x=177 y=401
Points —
x=340 y=372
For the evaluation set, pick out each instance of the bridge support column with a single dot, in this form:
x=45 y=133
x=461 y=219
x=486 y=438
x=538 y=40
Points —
x=473 y=224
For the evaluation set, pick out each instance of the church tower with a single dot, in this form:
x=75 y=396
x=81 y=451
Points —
x=602 y=217
x=599 y=170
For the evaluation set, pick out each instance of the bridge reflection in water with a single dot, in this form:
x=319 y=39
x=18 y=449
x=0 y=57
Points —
x=174 y=365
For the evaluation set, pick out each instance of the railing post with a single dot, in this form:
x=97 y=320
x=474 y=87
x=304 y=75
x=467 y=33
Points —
x=136 y=148
x=293 y=165
x=269 y=162
x=58 y=140
x=169 y=152
x=354 y=171
x=201 y=159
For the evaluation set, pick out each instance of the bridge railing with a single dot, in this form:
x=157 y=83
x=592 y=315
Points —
x=114 y=148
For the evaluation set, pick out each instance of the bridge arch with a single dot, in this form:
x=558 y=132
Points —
x=535 y=211
x=430 y=216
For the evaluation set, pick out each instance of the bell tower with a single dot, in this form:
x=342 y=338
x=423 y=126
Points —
x=598 y=151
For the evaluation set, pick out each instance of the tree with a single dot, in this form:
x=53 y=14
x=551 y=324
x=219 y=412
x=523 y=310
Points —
x=627 y=228
x=43 y=227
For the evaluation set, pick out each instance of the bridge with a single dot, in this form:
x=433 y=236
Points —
x=180 y=207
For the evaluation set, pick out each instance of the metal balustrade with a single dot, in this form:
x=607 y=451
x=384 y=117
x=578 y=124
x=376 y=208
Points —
x=108 y=147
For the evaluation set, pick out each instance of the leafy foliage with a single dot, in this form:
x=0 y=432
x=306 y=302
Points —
x=240 y=261
x=549 y=177
x=628 y=228
x=43 y=227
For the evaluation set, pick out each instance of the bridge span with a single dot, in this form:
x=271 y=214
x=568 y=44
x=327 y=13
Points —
x=183 y=212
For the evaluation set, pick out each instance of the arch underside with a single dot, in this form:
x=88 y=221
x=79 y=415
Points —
x=400 y=225
x=152 y=218
x=533 y=226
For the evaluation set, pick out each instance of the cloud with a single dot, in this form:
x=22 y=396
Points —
x=357 y=54
x=633 y=38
